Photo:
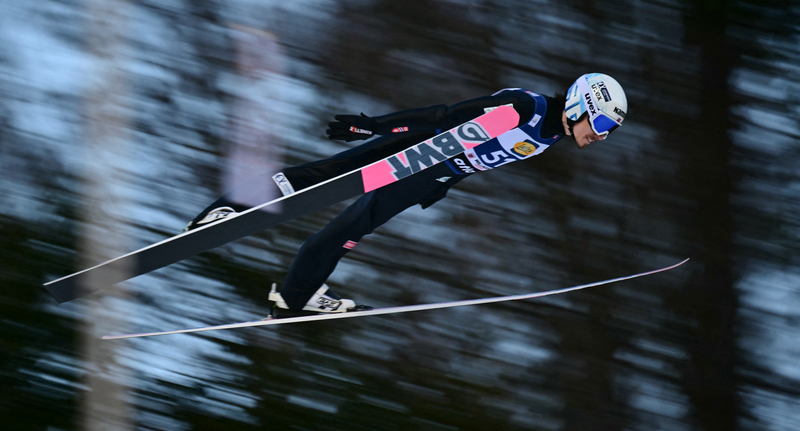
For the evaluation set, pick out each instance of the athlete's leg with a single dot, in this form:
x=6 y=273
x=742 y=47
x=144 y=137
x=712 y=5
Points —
x=309 y=174
x=320 y=253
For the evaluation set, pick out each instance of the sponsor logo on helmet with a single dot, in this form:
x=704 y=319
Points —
x=349 y=245
x=590 y=104
x=526 y=147
x=400 y=129
x=600 y=90
x=619 y=112
x=596 y=89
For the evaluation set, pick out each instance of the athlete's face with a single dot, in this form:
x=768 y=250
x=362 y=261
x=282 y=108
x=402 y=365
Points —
x=582 y=132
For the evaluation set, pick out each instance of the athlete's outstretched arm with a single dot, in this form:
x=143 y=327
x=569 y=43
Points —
x=427 y=120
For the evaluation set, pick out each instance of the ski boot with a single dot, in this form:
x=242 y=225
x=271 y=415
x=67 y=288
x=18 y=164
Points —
x=323 y=301
x=213 y=216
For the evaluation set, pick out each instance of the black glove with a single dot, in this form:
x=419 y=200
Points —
x=351 y=127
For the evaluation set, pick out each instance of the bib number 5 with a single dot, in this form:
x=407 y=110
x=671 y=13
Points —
x=493 y=159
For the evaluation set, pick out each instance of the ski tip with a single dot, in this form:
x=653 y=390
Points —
x=667 y=268
x=671 y=267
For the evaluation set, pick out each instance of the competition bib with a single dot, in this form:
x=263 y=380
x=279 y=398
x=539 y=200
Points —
x=517 y=144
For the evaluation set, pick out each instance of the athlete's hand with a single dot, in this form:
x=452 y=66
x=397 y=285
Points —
x=351 y=127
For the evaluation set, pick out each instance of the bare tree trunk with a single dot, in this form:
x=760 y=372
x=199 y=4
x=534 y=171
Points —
x=710 y=300
x=105 y=404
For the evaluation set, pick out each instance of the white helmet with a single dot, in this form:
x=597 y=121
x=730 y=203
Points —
x=602 y=97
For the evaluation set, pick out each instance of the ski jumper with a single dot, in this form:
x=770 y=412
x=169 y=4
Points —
x=540 y=126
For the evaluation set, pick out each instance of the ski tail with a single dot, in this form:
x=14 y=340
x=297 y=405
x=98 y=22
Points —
x=395 y=310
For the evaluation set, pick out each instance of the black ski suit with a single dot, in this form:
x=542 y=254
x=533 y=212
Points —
x=320 y=253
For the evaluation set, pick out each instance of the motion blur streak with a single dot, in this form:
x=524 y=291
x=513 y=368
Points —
x=117 y=120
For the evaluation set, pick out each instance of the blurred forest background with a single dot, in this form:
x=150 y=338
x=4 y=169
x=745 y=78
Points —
x=121 y=119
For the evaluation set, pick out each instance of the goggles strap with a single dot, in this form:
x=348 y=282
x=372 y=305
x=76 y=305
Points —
x=587 y=97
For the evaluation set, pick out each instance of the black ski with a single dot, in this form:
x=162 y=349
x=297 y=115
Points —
x=305 y=201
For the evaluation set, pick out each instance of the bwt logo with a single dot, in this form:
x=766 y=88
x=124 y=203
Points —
x=437 y=149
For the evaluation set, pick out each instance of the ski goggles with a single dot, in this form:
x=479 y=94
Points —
x=601 y=123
